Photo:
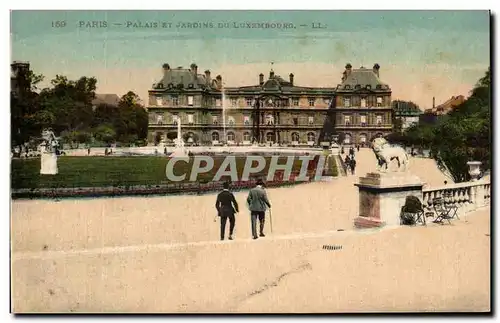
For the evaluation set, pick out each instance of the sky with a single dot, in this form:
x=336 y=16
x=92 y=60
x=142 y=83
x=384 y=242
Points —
x=422 y=54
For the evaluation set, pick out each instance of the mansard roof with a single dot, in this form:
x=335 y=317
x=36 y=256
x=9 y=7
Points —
x=362 y=78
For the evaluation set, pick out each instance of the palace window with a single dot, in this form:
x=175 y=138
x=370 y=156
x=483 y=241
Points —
x=159 y=100
x=347 y=120
x=215 y=136
x=190 y=118
x=363 y=120
x=246 y=136
x=295 y=136
x=270 y=137
x=230 y=136
x=234 y=102
x=347 y=102
x=175 y=118
x=295 y=121
x=190 y=100
x=310 y=120
x=379 y=120
x=368 y=87
x=159 y=118
x=249 y=102
x=357 y=87
x=311 y=136
x=175 y=100
x=246 y=120
x=363 y=103
x=214 y=120
x=230 y=121
x=379 y=101
x=218 y=102
x=295 y=102
x=269 y=119
x=311 y=102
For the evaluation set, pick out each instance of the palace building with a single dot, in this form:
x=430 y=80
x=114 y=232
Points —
x=363 y=108
x=273 y=111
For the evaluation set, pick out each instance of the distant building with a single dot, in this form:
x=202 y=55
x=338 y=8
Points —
x=19 y=78
x=408 y=112
x=363 y=108
x=110 y=99
x=447 y=106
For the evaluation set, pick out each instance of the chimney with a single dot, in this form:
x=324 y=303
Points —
x=433 y=102
x=271 y=74
x=291 y=78
x=194 y=69
x=166 y=68
x=219 y=81
x=261 y=78
x=348 y=69
x=376 y=69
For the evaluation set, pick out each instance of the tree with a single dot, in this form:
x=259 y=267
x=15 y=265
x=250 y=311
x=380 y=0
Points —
x=462 y=135
x=105 y=133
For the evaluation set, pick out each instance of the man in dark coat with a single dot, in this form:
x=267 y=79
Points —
x=258 y=203
x=226 y=206
x=353 y=165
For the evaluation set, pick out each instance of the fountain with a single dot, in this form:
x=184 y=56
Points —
x=179 y=149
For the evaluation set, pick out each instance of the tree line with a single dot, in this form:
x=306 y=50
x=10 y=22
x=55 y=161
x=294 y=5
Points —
x=462 y=135
x=66 y=107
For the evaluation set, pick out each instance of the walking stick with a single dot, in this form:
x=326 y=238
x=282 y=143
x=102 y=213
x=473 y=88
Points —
x=271 y=219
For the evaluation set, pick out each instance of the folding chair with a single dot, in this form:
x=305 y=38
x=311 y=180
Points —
x=453 y=208
x=412 y=212
x=442 y=213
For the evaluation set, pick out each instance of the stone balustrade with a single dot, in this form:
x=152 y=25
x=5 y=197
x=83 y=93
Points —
x=467 y=196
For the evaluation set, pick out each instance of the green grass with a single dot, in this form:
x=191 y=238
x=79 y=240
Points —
x=104 y=171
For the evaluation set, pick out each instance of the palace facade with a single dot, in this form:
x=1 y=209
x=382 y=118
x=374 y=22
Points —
x=273 y=111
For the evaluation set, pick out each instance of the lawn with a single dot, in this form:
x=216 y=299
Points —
x=95 y=171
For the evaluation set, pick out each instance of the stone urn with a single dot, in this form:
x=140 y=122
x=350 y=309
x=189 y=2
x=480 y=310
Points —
x=474 y=169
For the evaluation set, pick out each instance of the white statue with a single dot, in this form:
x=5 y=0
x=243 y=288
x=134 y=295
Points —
x=48 y=161
x=386 y=153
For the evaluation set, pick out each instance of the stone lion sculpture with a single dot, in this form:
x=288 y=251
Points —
x=386 y=153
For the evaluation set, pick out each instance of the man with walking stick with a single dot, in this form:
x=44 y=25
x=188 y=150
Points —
x=226 y=206
x=258 y=203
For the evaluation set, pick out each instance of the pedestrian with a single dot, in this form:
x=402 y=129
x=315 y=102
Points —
x=88 y=151
x=348 y=162
x=227 y=207
x=258 y=203
x=165 y=151
x=342 y=150
x=358 y=148
x=353 y=165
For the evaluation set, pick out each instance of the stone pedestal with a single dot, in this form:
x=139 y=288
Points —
x=48 y=163
x=381 y=196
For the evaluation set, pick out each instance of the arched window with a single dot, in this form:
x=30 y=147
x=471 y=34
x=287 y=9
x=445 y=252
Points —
x=362 y=138
x=270 y=137
x=230 y=121
x=295 y=136
x=347 y=138
x=246 y=136
x=215 y=136
x=311 y=136
x=230 y=136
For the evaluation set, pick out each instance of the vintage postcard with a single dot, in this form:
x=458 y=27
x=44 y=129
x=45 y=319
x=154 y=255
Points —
x=250 y=161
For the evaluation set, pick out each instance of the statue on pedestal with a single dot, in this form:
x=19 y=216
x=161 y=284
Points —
x=48 y=162
x=386 y=153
